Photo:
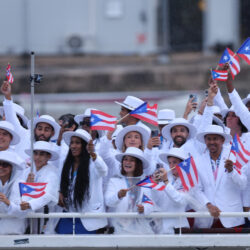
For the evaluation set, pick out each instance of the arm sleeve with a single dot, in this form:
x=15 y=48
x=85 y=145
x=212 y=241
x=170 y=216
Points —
x=101 y=168
x=111 y=194
x=240 y=109
x=219 y=101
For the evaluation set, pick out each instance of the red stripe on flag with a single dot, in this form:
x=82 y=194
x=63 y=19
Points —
x=34 y=195
x=194 y=168
x=182 y=178
x=98 y=112
x=145 y=119
x=102 y=128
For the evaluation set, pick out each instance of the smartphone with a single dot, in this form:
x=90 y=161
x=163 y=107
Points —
x=154 y=133
x=195 y=97
x=206 y=92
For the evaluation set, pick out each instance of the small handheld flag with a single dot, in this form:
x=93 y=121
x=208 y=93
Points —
x=9 y=76
x=145 y=199
x=188 y=173
x=102 y=121
x=33 y=190
x=244 y=51
x=242 y=155
x=146 y=113
x=234 y=62
x=219 y=75
x=148 y=182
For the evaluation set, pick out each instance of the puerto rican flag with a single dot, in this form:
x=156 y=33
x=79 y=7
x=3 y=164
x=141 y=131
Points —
x=244 y=51
x=188 y=173
x=234 y=62
x=146 y=113
x=148 y=182
x=242 y=155
x=145 y=199
x=33 y=190
x=102 y=121
x=219 y=75
x=9 y=76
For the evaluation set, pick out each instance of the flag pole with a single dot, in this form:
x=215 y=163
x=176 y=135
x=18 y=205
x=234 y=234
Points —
x=32 y=86
x=122 y=118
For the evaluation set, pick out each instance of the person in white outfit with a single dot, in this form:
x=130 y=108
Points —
x=219 y=180
x=81 y=186
x=122 y=194
x=44 y=172
x=172 y=198
x=9 y=193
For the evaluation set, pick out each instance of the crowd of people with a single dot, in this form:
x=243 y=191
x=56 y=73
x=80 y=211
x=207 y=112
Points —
x=94 y=171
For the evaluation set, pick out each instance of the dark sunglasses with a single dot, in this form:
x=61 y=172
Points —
x=4 y=164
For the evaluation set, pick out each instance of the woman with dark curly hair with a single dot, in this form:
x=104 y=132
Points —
x=81 y=184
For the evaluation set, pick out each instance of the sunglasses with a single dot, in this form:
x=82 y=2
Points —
x=4 y=164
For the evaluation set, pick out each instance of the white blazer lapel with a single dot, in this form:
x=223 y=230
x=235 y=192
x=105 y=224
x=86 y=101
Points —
x=221 y=171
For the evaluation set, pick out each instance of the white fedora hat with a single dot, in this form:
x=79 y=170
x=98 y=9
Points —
x=12 y=158
x=135 y=152
x=51 y=121
x=216 y=110
x=246 y=100
x=175 y=152
x=165 y=116
x=83 y=134
x=44 y=146
x=131 y=102
x=19 y=111
x=135 y=128
x=87 y=113
x=213 y=130
x=10 y=128
x=224 y=112
x=166 y=131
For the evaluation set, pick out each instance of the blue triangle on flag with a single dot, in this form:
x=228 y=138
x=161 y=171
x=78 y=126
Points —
x=26 y=189
x=94 y=119
x=185 y=165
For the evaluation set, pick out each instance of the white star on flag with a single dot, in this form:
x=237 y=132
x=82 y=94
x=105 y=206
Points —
x=184 y=164
x=247 y=48
x=25 y=189
x=225 y=58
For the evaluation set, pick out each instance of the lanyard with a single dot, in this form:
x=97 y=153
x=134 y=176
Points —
x=215 y=166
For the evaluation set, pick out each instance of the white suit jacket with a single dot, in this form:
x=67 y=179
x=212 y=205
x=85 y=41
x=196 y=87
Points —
x=225 y=192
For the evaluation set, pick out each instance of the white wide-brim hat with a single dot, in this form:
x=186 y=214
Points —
x=117 y=131
x=134 y=152
x=213 y=130
x=12 y=158
x=5 y=125
x=81 y=133
x=135 y=128
x=166 y=131
x=216 y=110
x=87 y=113
x=44 y=146
x=19 y=111
x=51 y=121
x=246 y=100
x=224 y=112
x=165 y=116
x=131 y=102
x=175 y=152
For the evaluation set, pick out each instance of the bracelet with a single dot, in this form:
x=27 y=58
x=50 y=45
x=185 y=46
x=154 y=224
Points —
x=93 y=156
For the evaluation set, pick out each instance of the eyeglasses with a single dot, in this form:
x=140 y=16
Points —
x=4 y=164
